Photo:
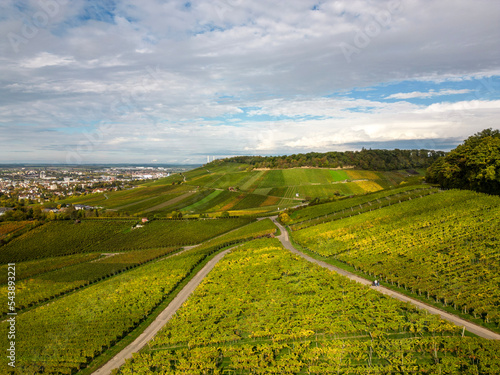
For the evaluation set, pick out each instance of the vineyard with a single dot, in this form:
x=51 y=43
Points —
x=31 y=268
x=142 y=193
x=46 y=286
x=73 y=330
x=443 y=246
x=61 y=238
x=236 y=187
x=65 y=238
x=310 y=216
x=263 y=310
x=85 y=288
x=261 y=191
x=78 y=327
x=261 y=228
x=165 y=233
x=10 y=228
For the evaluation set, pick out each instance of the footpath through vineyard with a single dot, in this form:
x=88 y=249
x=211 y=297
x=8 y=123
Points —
x=161 y=320
x=471 y=327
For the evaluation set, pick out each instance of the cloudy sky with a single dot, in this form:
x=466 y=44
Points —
x=108 y=81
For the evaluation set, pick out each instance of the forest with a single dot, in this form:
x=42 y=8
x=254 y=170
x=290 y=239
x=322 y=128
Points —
x=377 y=160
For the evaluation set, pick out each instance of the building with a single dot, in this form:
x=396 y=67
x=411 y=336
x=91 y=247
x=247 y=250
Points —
x=3 y=210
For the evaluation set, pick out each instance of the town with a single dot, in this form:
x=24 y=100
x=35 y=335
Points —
x=47 y=184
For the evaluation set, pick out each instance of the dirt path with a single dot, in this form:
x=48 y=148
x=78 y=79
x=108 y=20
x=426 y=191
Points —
x=471 y=327
x=161 y=320
x=184 y=294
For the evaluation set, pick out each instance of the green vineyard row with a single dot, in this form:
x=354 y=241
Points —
x=47 y=286
x=75 y=329
x=31 y=268
x=264 y=310
x=446 y=246
x=72 y=331
x=66 y=238
x=353 y=206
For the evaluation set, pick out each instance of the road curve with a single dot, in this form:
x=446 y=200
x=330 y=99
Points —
x=471 y=327
x=161 y=320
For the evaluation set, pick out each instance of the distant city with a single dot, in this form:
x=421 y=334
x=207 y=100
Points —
x=40 y=184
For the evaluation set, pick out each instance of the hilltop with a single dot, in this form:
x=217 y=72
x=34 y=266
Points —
x=235 y=189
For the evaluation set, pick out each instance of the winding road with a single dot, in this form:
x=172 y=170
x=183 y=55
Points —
x=471 y=327
x=184 y=294
x=161 y=320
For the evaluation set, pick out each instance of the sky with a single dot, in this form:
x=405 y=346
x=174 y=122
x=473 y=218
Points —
x=158 y=81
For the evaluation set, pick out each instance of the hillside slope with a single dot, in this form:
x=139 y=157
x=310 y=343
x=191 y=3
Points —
x=445 y=246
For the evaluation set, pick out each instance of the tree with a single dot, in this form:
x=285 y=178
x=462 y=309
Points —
x=473 y=165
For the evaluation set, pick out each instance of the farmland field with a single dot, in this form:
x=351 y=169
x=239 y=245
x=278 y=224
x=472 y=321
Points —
x=263 y=310
x=76 y=328
x=445 y=246
x=345 y=203
x=65 y=238
x=31 y=268
x=61 y=238
x=45 y=286
x=121 y=198
x=73 y=330
x=83 y=286
x=9 y=228
x=167 y=233
x=206 y=189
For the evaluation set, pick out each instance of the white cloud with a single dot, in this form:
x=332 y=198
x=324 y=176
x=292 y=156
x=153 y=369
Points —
x=164 y=73
x=428 y=94
x=44 y=59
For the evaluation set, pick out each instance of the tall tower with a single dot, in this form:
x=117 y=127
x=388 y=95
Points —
x=208 y=158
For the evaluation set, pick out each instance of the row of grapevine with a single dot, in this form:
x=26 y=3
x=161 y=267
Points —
x=350 y=209
x=11 y=229
x=263 y=310
x=445 y=246
x=31 y=268
x=422 y=355
x=73 y=330
x=67 y=334
x=163 y=233
x=261 y=228
x=59 y=238
x=312 y=212
x=45 y=287
x=65 y=238
x=262 y=291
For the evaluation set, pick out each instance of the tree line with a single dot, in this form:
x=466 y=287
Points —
x=473 y=165
x=378 y=160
